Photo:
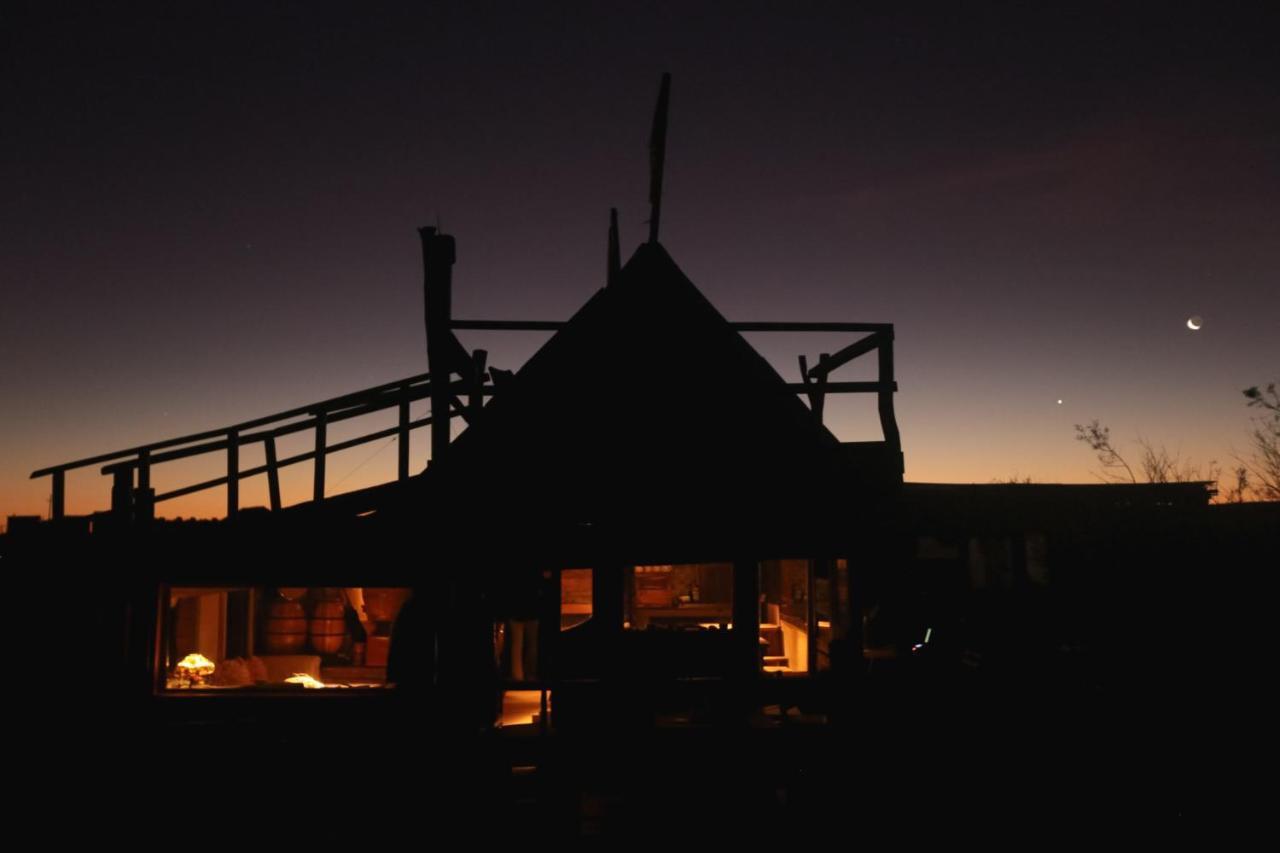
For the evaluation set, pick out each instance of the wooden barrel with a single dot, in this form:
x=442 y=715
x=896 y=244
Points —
x=383 y=604
x=286 y=627
x=328 y=626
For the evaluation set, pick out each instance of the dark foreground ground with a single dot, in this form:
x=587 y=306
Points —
x=893 y=763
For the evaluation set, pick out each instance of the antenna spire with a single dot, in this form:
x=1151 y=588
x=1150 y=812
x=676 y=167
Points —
x=657 y=156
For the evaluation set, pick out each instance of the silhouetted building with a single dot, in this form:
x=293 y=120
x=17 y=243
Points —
x=645 y=526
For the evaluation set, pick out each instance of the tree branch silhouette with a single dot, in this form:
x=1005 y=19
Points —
x=1098 y=437
x=1263 y=462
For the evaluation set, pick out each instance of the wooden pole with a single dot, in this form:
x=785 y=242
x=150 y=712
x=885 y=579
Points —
x=122 y=495
x=888 y=422
x=317 y=490
x=58 y=500
x=273 y=472
x=658 y=156
x=746 y=617
x=402 y=438
x=144 y=497
x=475 y=400
x=438 y=255
x=811 y=617
x=233 y=474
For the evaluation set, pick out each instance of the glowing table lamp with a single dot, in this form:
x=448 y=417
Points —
x=195 y=668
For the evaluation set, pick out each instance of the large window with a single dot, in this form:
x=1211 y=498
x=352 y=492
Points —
x=687 y=596
x=280 y=638
x=797 y=610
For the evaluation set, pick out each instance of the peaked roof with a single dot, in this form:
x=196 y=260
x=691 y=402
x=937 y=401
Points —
x=647 y=402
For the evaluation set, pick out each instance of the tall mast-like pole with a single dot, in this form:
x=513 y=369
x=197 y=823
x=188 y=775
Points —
x=437 y=283
x=658 y=156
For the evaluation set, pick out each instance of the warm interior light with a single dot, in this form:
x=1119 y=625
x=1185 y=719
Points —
x=195 y=667
x=305 y=680
x=197 y=663
x=522 y=707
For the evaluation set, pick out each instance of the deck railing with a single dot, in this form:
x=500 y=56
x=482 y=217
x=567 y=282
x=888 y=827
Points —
x=133 y=498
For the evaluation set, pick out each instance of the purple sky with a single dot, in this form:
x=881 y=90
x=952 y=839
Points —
x=209 y=210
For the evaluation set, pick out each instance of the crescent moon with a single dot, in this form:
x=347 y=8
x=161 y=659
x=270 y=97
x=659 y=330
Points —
x=1194 y=324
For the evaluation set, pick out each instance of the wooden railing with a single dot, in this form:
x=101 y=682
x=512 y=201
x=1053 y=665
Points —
x=133 y=498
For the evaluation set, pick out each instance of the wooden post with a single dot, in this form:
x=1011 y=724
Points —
x=549 y=626
x=233 y=474
x=608 y=580
x=475 y=401
x=402 y=437
x=438 y=255
x=746 y=617
x=888 y=423
x=122 y=495
x=317 y=492
x=58 y=500
x=814 y=389
x=144 y=503
x=273 y=472
x=811 y=617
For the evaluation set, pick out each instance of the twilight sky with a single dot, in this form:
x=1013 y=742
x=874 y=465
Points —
x=209 y=211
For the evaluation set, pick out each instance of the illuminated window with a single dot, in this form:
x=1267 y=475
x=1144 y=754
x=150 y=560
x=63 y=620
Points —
x=575 y=597
x=276 y=638
x=789 y=596
x=687 y=596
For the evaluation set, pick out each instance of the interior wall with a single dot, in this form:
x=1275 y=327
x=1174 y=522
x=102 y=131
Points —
x=795 y=644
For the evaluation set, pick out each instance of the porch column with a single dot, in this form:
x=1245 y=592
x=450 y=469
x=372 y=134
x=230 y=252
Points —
x=746 y=618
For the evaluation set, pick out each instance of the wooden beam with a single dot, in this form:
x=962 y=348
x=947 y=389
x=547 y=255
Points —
x=460 y=408
x=849 y=387
x=812 y=327
x=752 y=326
x=509 y=325
x=828 y=363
